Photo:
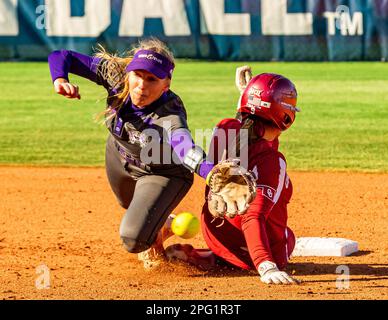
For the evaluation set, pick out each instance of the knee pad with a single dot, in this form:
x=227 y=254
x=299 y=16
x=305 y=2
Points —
x=134 y=245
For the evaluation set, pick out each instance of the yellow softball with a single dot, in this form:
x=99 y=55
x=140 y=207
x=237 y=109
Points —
x=185 y=225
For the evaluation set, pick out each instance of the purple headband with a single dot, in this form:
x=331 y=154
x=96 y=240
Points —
x=153 y=62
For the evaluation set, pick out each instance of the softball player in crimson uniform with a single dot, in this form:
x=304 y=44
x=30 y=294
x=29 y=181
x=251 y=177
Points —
x=260 y=238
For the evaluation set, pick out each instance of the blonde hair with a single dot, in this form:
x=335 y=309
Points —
x=114 y=70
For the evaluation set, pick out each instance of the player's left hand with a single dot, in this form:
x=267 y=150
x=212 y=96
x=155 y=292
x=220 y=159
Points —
x=243 y=76
x=270 y=274
x=232 y=189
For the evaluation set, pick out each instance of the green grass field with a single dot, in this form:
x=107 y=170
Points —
x=343 y=125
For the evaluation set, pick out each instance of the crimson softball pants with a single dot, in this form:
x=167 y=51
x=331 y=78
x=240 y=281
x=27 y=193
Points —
x=147 y=198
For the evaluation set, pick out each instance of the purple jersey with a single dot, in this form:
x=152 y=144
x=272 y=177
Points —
x=161 y=126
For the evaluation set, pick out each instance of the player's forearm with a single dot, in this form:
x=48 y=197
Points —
x=189 y=154
x=63 y=62
x=255 y=233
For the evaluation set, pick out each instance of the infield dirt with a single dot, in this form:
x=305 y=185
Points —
x=67 y=220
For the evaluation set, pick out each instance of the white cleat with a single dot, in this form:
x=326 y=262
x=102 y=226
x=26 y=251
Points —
x=155 y=255
x=151 y=258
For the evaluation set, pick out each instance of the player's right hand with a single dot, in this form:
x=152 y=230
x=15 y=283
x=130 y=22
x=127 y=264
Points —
x=270 y=274
x=66 y=89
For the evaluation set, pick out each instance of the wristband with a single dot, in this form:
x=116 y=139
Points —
x=194 y=158
x=265 y=266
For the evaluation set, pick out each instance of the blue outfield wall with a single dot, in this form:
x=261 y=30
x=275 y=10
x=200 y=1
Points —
x=264 y=30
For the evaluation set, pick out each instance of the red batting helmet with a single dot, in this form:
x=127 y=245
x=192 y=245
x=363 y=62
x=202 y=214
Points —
x=271 y=97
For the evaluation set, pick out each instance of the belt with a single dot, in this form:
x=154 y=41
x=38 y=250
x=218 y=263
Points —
x=129 y=159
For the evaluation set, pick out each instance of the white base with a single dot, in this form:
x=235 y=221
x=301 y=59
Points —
x=324 y=247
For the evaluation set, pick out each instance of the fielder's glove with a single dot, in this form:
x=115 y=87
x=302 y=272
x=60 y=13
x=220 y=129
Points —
x=232 y=189
x=243 y=76
x=269 y=273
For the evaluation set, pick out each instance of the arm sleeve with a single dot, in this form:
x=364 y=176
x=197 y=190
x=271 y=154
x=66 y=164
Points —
x=181 y=143
x=255 y=233
x=63 y=62
x=217 y=145
x=270 y=184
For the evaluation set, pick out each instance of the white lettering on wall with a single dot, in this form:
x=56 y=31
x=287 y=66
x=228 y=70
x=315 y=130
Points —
x=330 y=16
x=275 y=21
x=172 y=13
x=9 y=25
x=215 y=21
x=348 y=26
x=60 y=23
x=55 y=17
x=355 y=26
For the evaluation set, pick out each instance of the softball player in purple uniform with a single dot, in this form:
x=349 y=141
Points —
x=150 y=155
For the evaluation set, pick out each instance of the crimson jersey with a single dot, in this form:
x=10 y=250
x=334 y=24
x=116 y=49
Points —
x=261 y=233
